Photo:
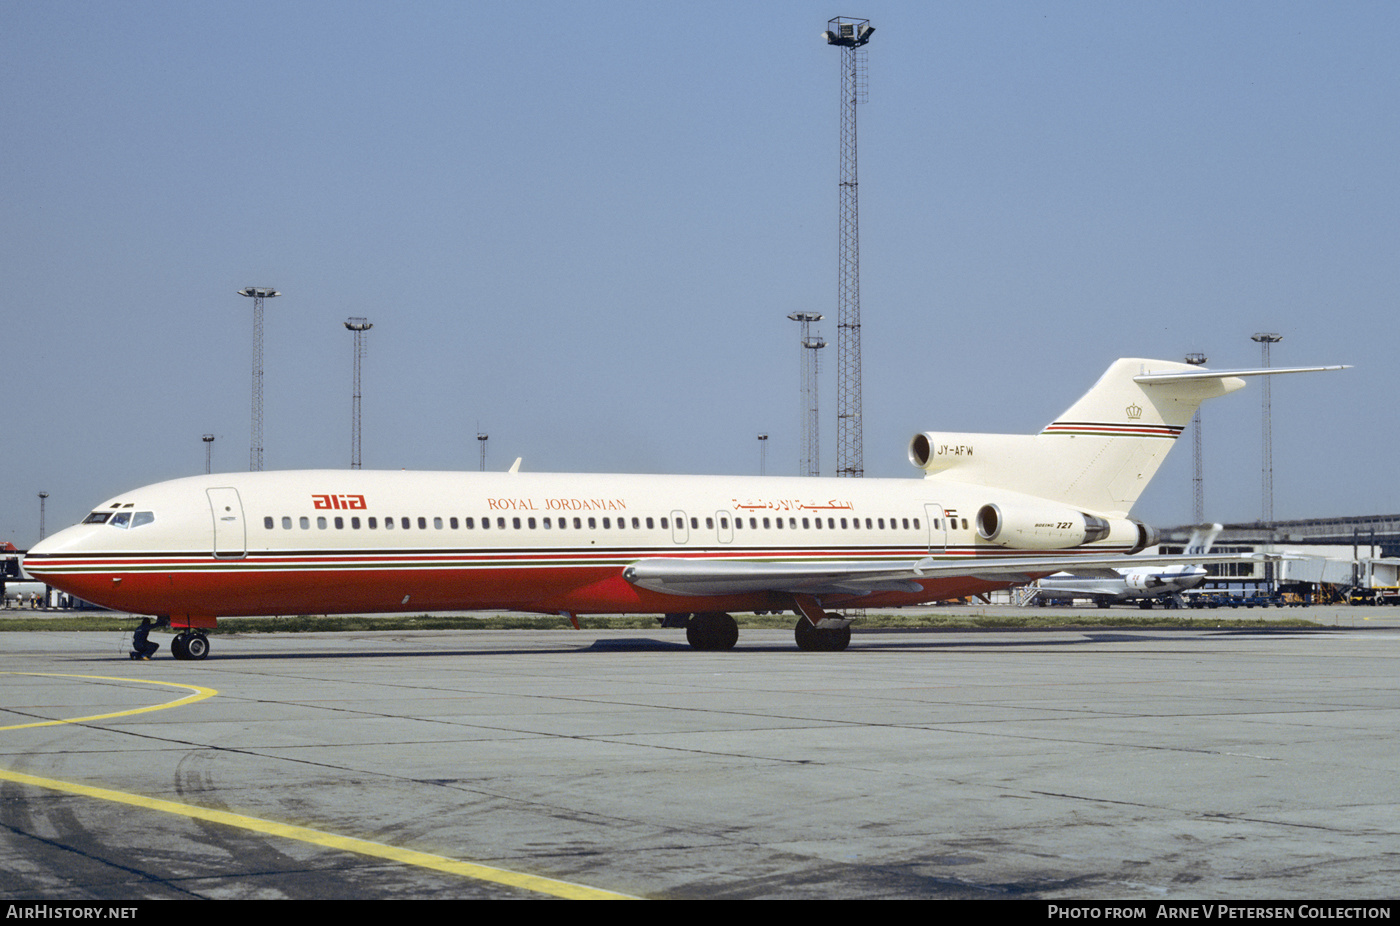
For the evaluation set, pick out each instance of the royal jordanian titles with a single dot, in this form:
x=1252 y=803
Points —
x=992 y=511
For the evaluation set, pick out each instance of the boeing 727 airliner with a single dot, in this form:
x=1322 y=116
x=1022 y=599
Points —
x=992 y=511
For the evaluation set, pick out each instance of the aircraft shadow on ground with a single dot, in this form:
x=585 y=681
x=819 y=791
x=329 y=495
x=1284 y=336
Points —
x=935 y=641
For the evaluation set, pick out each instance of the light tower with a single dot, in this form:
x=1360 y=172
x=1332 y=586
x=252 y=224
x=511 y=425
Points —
x=43 y=496
x=851 y=36
x=257 y=294
x=811 y=464
x=763 y=454
x=208 y=453
x=1198 y=481
x=1264 y=339
x=359 y=326
x=481 y=438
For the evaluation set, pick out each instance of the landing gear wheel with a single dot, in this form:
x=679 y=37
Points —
x=197 y=646
x=821 y=640
x=178 y=646
x=712 y=631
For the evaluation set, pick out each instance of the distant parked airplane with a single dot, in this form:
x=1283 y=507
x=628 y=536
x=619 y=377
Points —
x=1143 y=584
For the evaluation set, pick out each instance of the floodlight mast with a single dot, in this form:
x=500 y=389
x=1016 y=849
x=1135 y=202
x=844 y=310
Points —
x=257 y=294
x=1264 y=339
x=1198 y=480
x=359 y=326
x=810 y=464
x=851 y=36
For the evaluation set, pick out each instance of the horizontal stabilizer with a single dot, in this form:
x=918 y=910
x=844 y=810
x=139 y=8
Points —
x=1101 y=453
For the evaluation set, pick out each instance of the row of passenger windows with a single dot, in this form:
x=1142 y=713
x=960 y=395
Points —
x=608 y=523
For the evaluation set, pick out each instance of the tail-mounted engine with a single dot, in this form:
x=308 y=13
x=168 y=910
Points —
x=1051 y=527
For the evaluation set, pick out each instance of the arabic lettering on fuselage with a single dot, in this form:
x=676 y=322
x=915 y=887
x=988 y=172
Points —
x=791 y=504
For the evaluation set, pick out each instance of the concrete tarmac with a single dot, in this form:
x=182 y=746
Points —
x=1105 y=764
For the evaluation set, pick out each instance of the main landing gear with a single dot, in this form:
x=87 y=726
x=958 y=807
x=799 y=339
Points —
x=821 y=639
x=817 y=631
x=190 y=644
x=712 y=631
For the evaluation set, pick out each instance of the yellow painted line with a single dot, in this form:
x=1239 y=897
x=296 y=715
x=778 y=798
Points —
x=563 y=889
x=199 y=693
x=554 y=888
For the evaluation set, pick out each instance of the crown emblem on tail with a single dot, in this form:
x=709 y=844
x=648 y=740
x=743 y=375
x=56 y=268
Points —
x=1134 y=412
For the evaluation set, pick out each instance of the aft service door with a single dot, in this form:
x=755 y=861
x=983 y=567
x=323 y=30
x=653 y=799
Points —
x=230 y=537
x=937 y=527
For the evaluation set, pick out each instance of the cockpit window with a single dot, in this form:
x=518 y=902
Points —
x=97 y=517
x=127 y=519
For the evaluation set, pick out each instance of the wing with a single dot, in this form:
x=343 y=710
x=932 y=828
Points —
x=699 y=576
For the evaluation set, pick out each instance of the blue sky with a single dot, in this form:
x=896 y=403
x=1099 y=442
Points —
x=581 y=226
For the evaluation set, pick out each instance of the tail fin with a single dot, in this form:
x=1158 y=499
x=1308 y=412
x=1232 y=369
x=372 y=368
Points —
x=1101 y=453
x=1202 y=537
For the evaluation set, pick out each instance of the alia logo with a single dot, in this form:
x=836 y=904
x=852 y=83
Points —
x=339 y=502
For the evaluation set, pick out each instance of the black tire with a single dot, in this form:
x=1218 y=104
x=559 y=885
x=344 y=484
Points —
x=712 y=631
x=814 y=640
x=177 y=646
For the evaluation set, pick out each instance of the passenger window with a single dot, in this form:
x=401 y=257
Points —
x=388 y=524
x=593 y=524
x=765 y=524
x=578 y=524
x=515 y=523
x=709 y=524
x=530 y=522
x=452 y=522
x=607 y=523
x=501 y=523
x=321 y=523
x=373 y=523
x=437 y=524
x=422 y=524
x=470 y=523
x=355 y=524
x=305 y=523
x=286 y=524
x=650 y=524
x=340 y=524
x=486 y=524
x=267 y=523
